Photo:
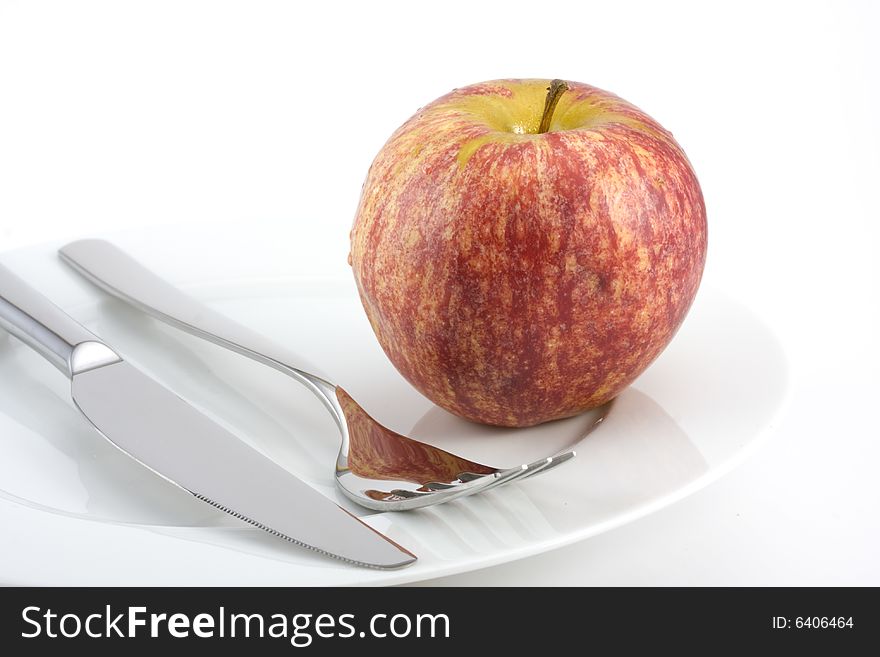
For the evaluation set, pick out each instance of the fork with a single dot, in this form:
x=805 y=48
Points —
x=376 y=467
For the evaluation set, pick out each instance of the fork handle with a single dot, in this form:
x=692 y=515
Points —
x=120 y=275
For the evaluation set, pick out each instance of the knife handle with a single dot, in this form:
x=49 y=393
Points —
x=48 y=330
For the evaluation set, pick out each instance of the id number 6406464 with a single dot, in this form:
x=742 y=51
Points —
x=813 y=622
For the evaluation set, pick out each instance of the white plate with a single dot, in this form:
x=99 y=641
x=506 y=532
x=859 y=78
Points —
x=74 y=510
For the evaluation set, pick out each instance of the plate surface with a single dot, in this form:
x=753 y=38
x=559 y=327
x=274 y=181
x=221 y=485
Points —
x=77 y=511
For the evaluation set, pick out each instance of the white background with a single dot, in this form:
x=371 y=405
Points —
x=121 y=115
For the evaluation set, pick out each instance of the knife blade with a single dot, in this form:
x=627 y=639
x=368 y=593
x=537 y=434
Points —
x=166 y=434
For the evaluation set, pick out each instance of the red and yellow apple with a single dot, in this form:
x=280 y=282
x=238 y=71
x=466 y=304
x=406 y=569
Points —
x=525 y=249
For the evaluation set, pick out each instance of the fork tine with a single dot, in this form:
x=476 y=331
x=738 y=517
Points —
x=501 y=478
x=520 y=472
x=470 y=476
x=536 y=467
x=555 y=461
x=413 y=494
x=434 y=486
x=460 y=490
x=491 y=481
x=414 y=499
x=469 y=484
x=474 y=486
x=539 y=467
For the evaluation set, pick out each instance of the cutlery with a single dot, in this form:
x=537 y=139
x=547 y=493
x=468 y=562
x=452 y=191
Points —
x=376 y=467
x=167 y=435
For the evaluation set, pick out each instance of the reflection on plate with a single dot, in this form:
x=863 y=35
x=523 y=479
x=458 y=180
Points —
x=83 y=512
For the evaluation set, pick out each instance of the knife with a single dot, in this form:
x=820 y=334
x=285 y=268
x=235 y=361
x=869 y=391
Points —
x=164 y=433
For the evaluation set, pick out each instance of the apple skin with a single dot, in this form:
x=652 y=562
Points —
x=516 y=277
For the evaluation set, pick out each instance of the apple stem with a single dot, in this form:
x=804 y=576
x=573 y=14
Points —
x=554 y=93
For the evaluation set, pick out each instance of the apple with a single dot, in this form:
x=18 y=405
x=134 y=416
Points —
x=524 y=249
